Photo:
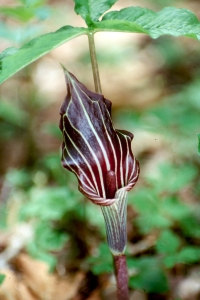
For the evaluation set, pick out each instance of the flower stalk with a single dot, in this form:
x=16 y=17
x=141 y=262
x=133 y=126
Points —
x=121 y=275
x=95 y=68
x=115 y=215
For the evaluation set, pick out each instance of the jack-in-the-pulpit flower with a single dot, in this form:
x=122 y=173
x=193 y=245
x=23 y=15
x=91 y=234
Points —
x=99 y=155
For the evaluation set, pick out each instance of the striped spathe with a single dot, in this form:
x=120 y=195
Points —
x=99 y=155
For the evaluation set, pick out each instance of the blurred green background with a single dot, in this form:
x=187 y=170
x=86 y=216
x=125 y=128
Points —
x=154 y=86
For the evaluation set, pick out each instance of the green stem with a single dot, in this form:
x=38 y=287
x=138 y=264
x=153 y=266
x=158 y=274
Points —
x=94 y=63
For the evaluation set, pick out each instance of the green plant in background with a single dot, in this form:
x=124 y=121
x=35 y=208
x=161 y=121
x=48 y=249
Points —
x=2 y=277
x=198 y=135
x=160 y=195
x=26 y=12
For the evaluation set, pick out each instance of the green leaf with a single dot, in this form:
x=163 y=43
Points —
x=25 y=13
x=144 y=202
x=149 y=222
x=33 y=2
x=148 y=206
x=190 y=224
x=48 y=203
x=30 y=9
x=42 y=255
x=167 y=242
x=95 y=217
x=170 y=261
x=91 y=10
x=102 y=261
x=13 y=61
x=21 y=13
x=189 y=254
x=12 y=114
x=171 y=178
x=149 y=275
x=49 y=239
x=3 y=216
x=198 y=135
x=170 y=20
x=19 y=178
x=2 y=277
x=19 y=35
x=175 y=209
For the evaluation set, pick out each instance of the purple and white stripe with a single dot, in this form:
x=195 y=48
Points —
x=92 y=149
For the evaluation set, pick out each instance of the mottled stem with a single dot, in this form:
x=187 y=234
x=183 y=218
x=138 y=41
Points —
x=94 y=63
x=121 y=274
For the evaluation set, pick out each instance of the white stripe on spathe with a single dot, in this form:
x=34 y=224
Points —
x=121 y=162
x=93 y=196
x=94 y=131
x=127 y=156
x=88 y=187
x=82 y=155
x=124 y=171
x=91 y=125
x=92 y=152
x=97 y=137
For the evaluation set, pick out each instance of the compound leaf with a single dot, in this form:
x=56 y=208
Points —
x=12 y=60
x=92 y=10
x=170 y=20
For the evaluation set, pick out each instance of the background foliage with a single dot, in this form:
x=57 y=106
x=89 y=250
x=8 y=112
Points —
x=154 y=87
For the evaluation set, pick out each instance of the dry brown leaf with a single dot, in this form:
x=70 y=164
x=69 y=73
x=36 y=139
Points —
x=23 y=293
x=45 y=285
x=36 y=276
x=66 y=289
x=95 y=295
x=36 y=283
x=8 y=288
x=138 y=295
